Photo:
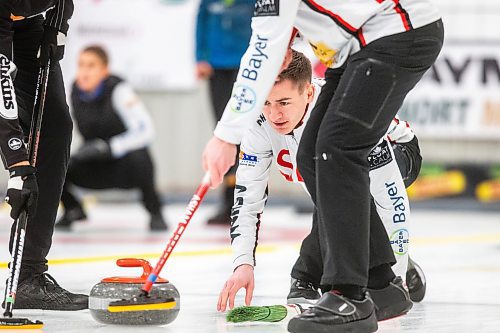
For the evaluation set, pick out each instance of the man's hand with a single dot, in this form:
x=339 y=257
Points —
x=51 y=46
x=241 y=278
x=218 y=157
x=22 y=190
x=93 y=150
x=203 y=70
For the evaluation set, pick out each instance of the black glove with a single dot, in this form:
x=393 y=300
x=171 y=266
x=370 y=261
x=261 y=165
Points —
x=94 y=150
x=22 y=190
x=49 y=46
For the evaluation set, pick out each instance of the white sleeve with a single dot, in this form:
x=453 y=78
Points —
x=389 y=192
x=250 y=195
x=139 y=127
x=271 y=33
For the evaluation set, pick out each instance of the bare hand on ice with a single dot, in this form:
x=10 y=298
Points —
x=242 y=278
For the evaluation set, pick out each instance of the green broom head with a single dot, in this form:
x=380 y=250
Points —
x=272 y=313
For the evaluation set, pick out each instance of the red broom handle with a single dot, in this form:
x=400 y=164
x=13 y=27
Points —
x=188 y=214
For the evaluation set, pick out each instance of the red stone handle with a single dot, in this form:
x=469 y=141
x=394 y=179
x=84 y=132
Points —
x=133 y=262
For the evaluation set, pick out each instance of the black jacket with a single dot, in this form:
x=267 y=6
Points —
x=57 y=14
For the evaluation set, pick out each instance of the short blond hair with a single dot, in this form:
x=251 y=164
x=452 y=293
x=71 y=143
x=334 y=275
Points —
x=299 y=71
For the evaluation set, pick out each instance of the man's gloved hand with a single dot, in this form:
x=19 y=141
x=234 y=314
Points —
x=94 y=150
x=51 y=46
x=22 y=190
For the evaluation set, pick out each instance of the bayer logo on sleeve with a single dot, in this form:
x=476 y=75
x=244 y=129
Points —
x=242 y=99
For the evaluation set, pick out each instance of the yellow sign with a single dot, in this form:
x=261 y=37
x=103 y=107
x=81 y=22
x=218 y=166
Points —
x=324 y=53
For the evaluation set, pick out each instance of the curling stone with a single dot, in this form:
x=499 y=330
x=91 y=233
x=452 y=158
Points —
x=117 y=288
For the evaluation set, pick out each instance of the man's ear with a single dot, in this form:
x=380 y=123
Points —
x=310 y=92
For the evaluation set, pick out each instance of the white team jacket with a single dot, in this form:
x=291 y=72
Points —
x=335 y=30
x=262 y=146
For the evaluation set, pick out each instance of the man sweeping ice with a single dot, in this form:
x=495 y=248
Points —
x=385 y=48
x=274 y=138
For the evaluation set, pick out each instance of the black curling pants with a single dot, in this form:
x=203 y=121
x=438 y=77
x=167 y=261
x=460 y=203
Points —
x=333 y=151
x=221 y=86
x=133 y=171
x=54 y=146
x=309 y=265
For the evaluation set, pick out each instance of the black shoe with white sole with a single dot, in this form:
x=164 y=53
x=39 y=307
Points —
x=415 y=280
x=334 y=313
x=41 y=291
x=302 y=292
x=392 y=301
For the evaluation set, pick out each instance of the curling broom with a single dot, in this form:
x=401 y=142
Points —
x=7 y=322
x=267 y=313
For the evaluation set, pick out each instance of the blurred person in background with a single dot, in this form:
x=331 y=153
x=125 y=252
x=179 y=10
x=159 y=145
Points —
x=222 y=35
x=117 y=132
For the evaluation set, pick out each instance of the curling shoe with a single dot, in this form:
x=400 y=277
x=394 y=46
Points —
x=41 y=291
x=335 y=313
x=392 y=301
x=157 y=223
x=70 y=216
x=302 y=292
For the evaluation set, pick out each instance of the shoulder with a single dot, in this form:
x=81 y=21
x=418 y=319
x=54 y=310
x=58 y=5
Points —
x=113 y=80
x=123 y=95
x=257 y=136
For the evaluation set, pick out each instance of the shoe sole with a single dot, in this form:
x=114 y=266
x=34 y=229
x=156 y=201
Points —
x=367 y=325
x=394 y=310
x=62 y=307
x=301 y=300
x=66 y=308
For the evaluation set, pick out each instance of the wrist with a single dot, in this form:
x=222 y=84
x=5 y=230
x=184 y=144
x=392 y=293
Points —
x=21 y=170
x=244 y=267
x=19 y=164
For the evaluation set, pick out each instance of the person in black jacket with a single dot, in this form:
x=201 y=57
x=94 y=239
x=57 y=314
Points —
x=117 y=131
x=32 y=32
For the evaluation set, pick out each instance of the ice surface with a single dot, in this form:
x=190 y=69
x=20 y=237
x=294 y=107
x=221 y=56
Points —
x=459 y=252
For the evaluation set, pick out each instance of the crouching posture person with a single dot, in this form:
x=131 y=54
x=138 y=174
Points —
x=274 y=138
x=117 y=132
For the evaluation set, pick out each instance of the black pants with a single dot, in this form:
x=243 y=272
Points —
x=55 y=140
x=353 y=114
x=309 y=265
x=221 y=86
x=134 y=170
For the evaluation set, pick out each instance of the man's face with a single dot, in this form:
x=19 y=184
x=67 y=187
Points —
x=285 y=106
x=91 y=72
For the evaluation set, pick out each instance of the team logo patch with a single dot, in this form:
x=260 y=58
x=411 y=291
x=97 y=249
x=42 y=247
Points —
x=248 y=160
x=242 y=99
x=8 y=108
x=400 y=240
x=379 y=156
x=15 y=143
x=267 y=8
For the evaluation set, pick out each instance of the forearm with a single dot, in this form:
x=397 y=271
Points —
x=139 y=126
x=11 y=135
x=59 y=16
x=387 y=188
x=258 y=70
